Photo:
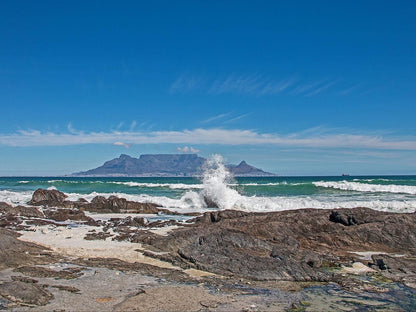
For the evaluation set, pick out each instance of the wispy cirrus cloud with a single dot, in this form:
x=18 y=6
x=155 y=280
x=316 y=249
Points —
x=216 y=117
x=276 y=87
x=225 y=118
x=315 y=139
x=238 y=117
x=186 y=83
x=350 y=89
x=242 y=84
x=321 y=88
x=257 y=85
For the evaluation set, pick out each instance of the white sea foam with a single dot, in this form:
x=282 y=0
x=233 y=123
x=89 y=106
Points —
x=215 y=180
x=371 y=180
x=365 y=187
x=264 y=184
x=193 y=201
x=18 y=198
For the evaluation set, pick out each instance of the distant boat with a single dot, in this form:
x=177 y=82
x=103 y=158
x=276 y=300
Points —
x=345 y=175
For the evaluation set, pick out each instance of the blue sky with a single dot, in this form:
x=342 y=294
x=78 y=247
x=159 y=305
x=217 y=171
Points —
x=293 y=87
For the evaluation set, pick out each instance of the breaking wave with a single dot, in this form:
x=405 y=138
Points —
x=194 y=201
x=216 y=178
x=365 y=187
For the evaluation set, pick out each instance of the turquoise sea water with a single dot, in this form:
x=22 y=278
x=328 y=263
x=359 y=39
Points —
x=388 y=193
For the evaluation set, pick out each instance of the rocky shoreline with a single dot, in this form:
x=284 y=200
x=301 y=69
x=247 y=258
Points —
x=111 y=254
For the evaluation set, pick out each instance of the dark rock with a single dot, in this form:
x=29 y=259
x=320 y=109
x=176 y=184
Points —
x=143 y=237
x=379 y=262
x=140 y=221
x=343 y=218
x=292 y=245
x=14 y=252
x=40 y=222
x=129 y=221
x=24 y=211
x=210 y=203
x=392 y=264
x=5 y=207
x=114 y=204
x=397 y=268
x=217 y=216
x=25 y=293
x=36 y=271
x=97 y=236
x=48 y=198
x=63 y=214
x=67 y=288
x=29 y=212
x=11 y=222
x=356 y=216
x=23 y=279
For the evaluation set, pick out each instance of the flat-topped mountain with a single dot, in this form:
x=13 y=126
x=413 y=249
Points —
x=167 y=165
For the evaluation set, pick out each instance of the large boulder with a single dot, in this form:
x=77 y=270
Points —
x=48 y=198
x=287 y=245
x=114 y=204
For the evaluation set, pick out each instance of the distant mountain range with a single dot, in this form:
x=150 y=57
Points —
x=164 y=165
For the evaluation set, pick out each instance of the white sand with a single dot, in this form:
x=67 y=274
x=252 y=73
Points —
x=357 y=268
x=366 y=255
x=69 y=241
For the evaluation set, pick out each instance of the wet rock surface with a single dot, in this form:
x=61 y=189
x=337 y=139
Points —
x=20 y=210
x=25 y=293
x=37 y=271
x=64 y=214
x=294 y=245
x=49 y=198
x=112 y=204
x=14 y=252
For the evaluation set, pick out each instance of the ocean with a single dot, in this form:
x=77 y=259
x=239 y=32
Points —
x=262 y=194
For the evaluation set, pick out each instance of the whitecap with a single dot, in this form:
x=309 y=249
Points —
x=365 y=187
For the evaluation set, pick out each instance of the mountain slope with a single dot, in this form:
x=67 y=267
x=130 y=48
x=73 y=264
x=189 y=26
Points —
x=164 y=165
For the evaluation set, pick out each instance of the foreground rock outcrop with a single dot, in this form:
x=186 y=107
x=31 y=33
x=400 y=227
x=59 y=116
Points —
x=14 y=253
x=298 y=245
x=112 y=204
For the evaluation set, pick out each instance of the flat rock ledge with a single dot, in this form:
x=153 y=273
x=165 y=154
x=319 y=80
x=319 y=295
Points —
x=295 y=245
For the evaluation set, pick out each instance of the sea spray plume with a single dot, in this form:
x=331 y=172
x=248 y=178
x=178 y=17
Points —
x=215 y=178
